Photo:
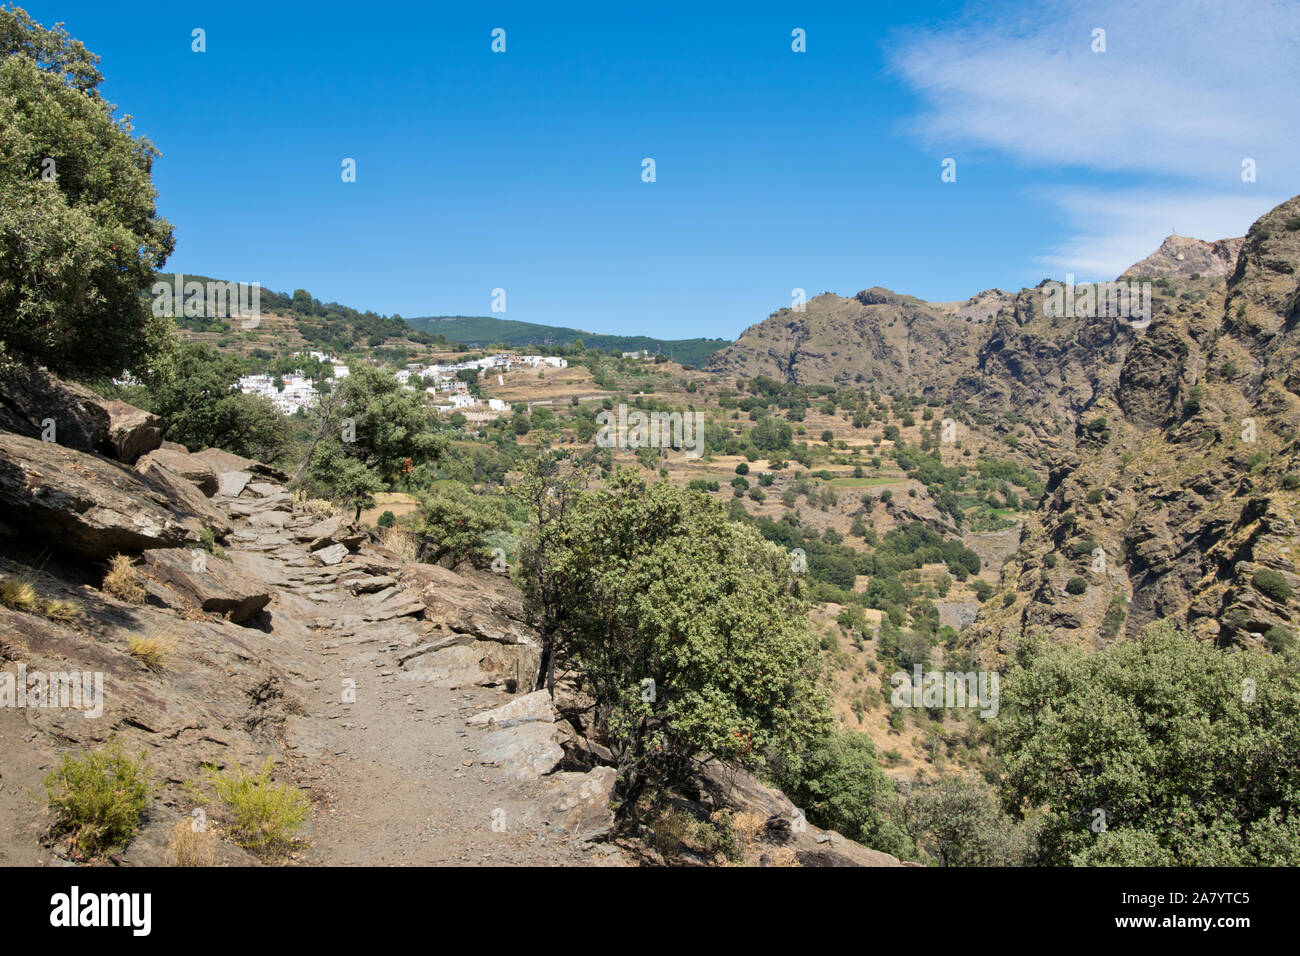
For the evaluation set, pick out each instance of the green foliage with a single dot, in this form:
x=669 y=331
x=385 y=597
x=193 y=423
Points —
x=459 y=522
x=192 y=389
x=99 y=798
x=266 y=814
x=960 y=823
x=1191 y=752
x=656 y=584
x=840 y=786
x=368 y=432
x=79 y=240
x=1272 y=584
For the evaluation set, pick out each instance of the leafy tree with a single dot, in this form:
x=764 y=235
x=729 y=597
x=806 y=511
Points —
x=193 y=391
x=1190 y=753
x=690 y=631
x=369 y=431
x=840 y=786
x=80 y=237
x=459 y=522
x=960 y=823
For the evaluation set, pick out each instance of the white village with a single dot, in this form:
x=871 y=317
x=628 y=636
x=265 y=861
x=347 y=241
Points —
x=295 y=391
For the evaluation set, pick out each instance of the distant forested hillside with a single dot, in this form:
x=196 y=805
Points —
x=327 y=325
x=483 y=330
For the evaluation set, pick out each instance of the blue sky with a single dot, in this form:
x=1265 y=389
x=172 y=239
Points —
x=775 y=169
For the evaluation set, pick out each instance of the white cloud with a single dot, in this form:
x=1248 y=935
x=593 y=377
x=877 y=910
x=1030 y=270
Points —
x=1184 y=89
x=1184 y=92
x=1105 y=232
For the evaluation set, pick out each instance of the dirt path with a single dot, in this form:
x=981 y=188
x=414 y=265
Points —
x=396 y=775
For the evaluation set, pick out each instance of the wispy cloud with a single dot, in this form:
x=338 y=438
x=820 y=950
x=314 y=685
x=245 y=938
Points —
x=1107 y=231
x=1182 y=94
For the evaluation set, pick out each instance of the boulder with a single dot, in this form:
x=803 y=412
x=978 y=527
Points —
x=185 y=494
x=525 y=751
x=85 y=503
x=488 y=606
x=536 y=706
x=576 y=803
x=32 y=400
x=194 y=470
x=131 y=431
x=36 y=404
x=465 y=662
x=211 y=583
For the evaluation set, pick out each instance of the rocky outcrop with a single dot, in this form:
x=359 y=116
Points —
x=1182 y=257
x=86 y=504
x=207 y=582
x=725 y=785
x=36 y=404
x=193 y=469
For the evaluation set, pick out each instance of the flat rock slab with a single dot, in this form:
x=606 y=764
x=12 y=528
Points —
x=213 y=584
x=264 y=489
x=231 y=483
x=334 y=554
x=536 y=706
x=525 y=752
x=185 y=496
x=194 y=470
x=85 y=503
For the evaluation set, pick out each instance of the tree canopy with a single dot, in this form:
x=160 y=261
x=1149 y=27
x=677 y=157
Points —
x=80 y=237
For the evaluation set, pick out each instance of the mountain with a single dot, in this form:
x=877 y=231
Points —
x=1172 y=446
x=1178 y=493
x=1183 y=258
x=481 y=331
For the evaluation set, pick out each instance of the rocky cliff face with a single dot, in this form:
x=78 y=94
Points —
x=1182 y=258
x=1181 y=492
x=1172 y=444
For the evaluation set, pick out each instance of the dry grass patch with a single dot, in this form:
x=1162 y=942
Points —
x=123 y=581
x=191 y=846
x=152 y=652
x=18 y=595
x=401 y=543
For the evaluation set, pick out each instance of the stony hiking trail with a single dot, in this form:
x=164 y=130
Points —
x=396 y=772
x=362 y=674
x=394 y=693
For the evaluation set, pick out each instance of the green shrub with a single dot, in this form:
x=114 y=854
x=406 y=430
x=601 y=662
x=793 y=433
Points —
x=387 y=519
x=266 y=815
x=1096 y=495
x=1271 y=584
x=98 y=797
x=1279 y=638
x=1076 y=585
